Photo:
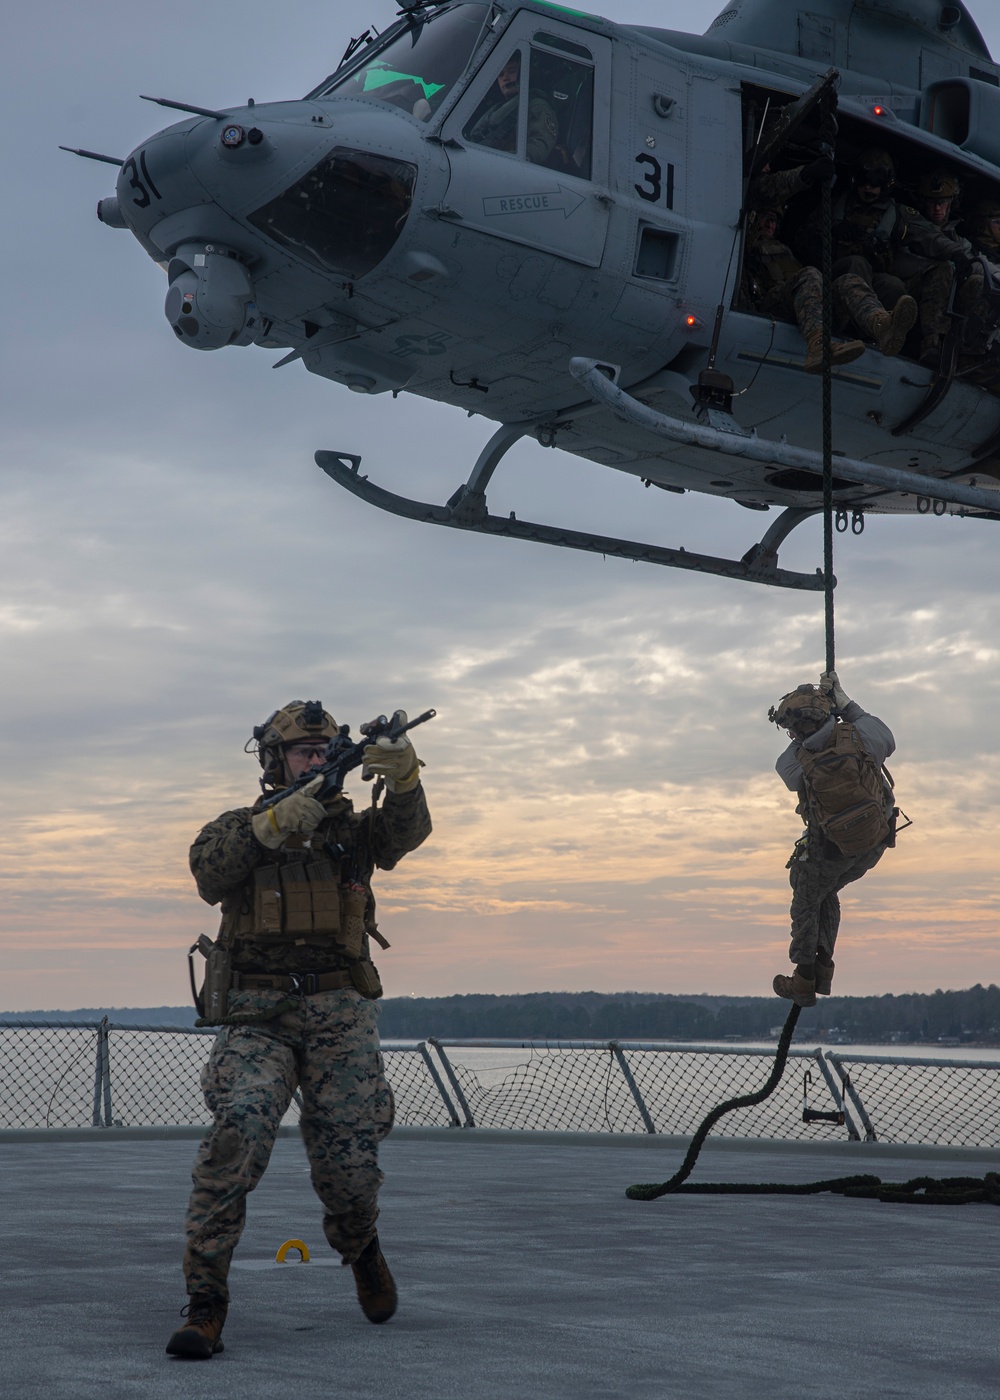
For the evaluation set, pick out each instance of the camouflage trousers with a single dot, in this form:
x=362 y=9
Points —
x=929 y=283
x=328 y=1048
x=816 y=883
x=802 y=297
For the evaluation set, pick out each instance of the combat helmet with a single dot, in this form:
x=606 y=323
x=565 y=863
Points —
x=875 y=164
x=291 y=724
x=802 y=710
x=940 y=183
x=984 y=211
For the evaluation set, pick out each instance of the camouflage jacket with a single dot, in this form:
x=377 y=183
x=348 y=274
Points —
x=767 y=266
x=872 y=231
x=774 y=188
x=939 y=242
x=303 y=882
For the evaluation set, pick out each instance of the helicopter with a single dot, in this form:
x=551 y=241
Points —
x=536 y=215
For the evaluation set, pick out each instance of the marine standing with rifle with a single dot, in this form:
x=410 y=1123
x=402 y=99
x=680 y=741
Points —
x=835 y=765
x=292 y=986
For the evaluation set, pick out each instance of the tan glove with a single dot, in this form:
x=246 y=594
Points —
x=395 y=760
x=298 y=812
x=829 y=683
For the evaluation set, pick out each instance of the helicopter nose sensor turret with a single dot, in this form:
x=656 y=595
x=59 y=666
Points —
x=210 y=300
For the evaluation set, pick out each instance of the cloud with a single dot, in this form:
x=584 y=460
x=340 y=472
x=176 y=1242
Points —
x=173 y=565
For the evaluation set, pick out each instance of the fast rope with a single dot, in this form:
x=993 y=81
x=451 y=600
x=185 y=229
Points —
x=650 y=1193
x=828 y=131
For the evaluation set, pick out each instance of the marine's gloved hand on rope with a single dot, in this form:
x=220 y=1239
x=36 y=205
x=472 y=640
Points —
x=817 y=171
x=299 y=812
x=829 y=683
x=395 y=761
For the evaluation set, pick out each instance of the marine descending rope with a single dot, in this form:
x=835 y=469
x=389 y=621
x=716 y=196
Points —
x=922 y=1190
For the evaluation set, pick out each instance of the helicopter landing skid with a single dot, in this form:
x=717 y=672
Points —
x=466 y=510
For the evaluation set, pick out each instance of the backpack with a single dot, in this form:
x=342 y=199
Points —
x=845 y=792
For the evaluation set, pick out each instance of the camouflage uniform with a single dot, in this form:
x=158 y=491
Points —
x=776 y=283
x=325 y=1043
x=985 y=369
x=897 y=251
x=818 y=870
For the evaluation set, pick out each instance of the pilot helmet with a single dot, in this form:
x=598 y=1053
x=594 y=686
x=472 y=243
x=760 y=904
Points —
x=297 y=721
x=803 y=710
x=939 y=184
x=875 y=165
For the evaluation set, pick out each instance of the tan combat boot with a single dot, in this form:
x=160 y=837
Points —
x=824 y=978
x=375 y=1284
x=842 y=352
x=201 y=1336
x=889 y=329
x=795 y=988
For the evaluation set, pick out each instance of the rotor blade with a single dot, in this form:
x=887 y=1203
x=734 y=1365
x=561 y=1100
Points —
x=92 y=155
x=184 y=107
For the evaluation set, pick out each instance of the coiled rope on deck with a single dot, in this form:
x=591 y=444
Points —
x=650 y=1193
x=921 y=1190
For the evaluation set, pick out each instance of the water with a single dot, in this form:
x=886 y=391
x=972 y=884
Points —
x=49 y=1080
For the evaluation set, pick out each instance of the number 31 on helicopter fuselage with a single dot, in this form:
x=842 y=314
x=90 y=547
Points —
x=534 y=214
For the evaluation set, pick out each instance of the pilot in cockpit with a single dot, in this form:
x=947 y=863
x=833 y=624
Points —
x=494 y=122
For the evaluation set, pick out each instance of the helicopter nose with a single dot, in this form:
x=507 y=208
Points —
x=157 y=182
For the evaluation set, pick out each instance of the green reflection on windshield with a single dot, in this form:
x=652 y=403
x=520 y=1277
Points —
x=563 y=10
x=378 y=77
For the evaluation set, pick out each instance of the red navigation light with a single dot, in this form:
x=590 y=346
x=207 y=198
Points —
x=879 y=111
x=691 y=322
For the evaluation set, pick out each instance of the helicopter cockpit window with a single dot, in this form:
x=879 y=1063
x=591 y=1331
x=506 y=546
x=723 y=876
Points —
x=559 y=124
x=346 y=214
x=495 y=121
x=567 y=88
x=417 y=69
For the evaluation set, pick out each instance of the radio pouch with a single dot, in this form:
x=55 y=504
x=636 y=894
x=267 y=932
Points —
x=364 y=975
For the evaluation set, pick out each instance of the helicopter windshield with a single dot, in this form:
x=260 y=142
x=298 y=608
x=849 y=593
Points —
x=417 y=69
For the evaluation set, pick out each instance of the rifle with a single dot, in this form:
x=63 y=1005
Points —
x=343 y=754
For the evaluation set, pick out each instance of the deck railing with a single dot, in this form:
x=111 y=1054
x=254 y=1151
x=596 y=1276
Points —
x=105 y=1075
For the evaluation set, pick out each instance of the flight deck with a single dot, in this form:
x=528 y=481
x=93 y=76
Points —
x=522 y=1269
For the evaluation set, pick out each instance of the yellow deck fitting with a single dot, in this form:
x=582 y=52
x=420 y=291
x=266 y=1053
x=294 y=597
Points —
x=300 y=1245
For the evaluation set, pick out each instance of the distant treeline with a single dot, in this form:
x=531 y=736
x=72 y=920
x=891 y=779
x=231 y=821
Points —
x=969 y=1015
x=972 y=1015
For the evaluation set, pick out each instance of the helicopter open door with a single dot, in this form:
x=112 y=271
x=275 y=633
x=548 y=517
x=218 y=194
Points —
x=528 y=145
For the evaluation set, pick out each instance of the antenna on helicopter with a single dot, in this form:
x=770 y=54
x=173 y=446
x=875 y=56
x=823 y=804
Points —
x=92 y=155
x=184 y=107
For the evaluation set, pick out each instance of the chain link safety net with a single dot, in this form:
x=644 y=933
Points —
x=946 y=1102
x=73 y=1075
x=584 y=1090
x=65 y=1074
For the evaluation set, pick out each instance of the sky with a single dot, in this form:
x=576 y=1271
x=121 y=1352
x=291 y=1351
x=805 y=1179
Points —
x=174 y=566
